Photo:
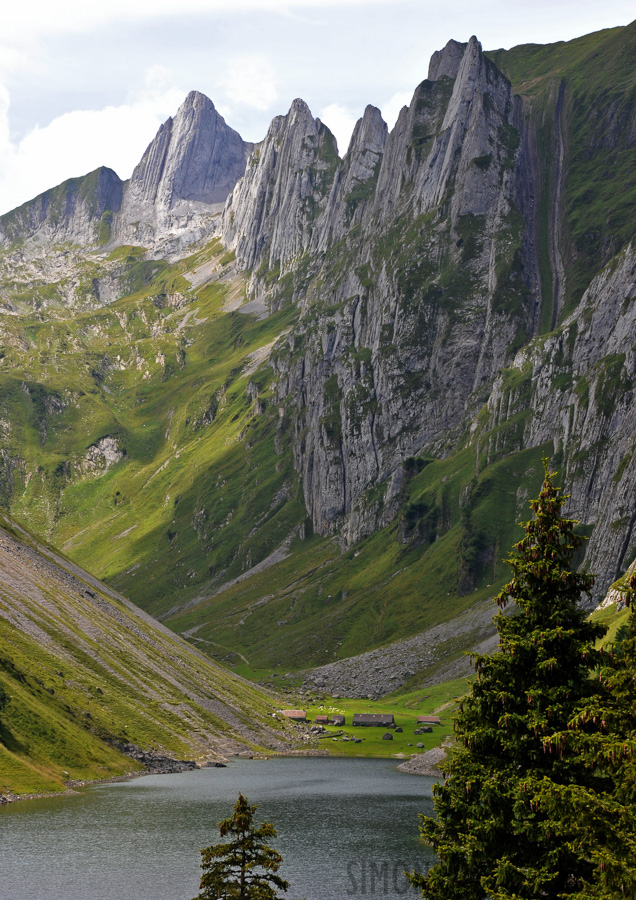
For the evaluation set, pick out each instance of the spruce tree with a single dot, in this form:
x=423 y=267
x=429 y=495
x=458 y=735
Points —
x=602 y=824
x=243 y=868
x=494 y=837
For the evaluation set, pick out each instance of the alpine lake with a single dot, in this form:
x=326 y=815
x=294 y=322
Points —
x=346 y=828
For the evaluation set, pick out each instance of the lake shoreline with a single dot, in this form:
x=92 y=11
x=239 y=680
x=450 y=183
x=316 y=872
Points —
x=73 y=788
x=425 y=764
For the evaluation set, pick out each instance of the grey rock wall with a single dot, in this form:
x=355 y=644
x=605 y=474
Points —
x=270 y=216
x=411 y=247
x=185 y=174
x=576 y=389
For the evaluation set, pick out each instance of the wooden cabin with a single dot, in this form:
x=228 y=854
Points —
x=429 y=720
x=338 y=720
x=296 y=715
x=321 y=720
x=383 y=719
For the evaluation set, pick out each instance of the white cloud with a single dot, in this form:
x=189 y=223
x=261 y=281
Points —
x=251 y=81
x=68 y=16
x=339 y=121
x=391 y=109
x=78 y=142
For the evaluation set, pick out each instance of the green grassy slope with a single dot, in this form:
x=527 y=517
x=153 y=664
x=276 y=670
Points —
x=597 y=76
x=199 y=462
x=440 y=557
x=82 y=669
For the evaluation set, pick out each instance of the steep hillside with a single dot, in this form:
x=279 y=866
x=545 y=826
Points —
x=88 y=677
x=313 y=431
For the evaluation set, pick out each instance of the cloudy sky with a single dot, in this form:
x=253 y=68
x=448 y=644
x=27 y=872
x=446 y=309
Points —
x=87 y=84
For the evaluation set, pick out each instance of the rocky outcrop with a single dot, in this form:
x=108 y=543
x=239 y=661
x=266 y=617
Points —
x=101 y=455
x=80 y=210
x=270 y=216
x=428 y=763
x=153 y=762
x=617 y=593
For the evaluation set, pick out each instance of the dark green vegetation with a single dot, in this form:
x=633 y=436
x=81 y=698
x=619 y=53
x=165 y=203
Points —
x=83 y=674
x=244 y=867
x=539 y=802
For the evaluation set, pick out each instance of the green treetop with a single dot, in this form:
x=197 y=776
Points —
x=243 y=868
x=493 y=836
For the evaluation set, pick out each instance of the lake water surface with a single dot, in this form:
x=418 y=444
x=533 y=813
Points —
x=346 y=828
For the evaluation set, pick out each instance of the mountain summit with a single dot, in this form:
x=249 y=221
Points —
x=195 y=160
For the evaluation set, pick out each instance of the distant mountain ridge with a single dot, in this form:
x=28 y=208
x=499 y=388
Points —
x=182 y=179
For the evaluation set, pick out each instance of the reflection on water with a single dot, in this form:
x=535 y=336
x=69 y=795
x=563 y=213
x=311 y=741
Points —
x=346 y=828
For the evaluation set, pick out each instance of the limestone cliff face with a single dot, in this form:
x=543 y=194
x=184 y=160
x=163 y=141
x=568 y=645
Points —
x=355 y=180
x=574 y=392
x=185 y=174
x=414 y=247
x=271 y=215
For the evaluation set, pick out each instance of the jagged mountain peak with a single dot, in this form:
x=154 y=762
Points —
x=299 y=119
x=196 y=97
x=370 y=131
x=446 y=62
x=300 y=108
x=195 y=156
x=284 y=189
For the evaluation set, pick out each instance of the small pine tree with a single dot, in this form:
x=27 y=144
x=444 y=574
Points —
x=494 y=837
x=243 y=868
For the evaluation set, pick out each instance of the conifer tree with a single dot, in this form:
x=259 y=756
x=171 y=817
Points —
x=494 y=837
x=243 y=868
x=602 y=824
